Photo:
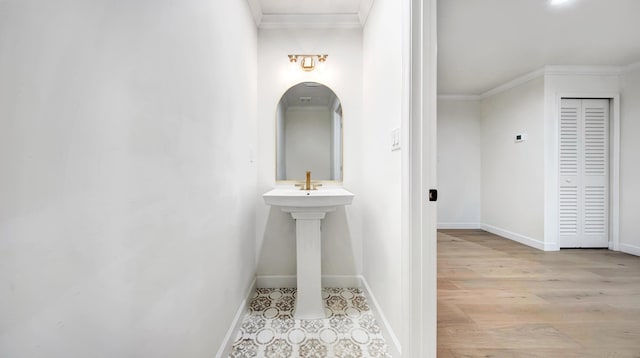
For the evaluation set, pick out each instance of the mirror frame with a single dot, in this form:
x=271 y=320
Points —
x=302 y=179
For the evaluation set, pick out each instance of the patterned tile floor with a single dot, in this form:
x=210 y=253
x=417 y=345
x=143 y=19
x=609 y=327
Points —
x=269 y=329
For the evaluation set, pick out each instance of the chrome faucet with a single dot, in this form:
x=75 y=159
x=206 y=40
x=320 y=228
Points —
x=308 y=185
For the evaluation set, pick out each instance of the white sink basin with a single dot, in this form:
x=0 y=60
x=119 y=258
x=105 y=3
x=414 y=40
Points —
x=294 y=199
x=308 y=208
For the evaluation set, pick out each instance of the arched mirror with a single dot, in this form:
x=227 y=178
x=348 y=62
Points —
x=309 y=133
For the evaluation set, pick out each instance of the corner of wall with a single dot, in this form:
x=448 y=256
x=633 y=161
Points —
x=512 y=172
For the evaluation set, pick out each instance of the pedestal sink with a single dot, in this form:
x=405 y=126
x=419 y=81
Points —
x=308 y=208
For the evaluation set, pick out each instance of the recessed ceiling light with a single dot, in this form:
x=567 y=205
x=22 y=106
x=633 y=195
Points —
x=559 y=2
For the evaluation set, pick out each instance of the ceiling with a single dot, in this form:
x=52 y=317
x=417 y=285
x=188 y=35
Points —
x=483 y=44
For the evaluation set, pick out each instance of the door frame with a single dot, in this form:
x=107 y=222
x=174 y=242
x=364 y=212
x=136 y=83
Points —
x=419 y=155
x=614 y=161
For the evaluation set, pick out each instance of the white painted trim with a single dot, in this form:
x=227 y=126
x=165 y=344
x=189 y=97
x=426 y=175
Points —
x=630 y=249
x=338 y=20
x=341 y=281
x=582 y=70
x=514 y=83
x=256 y=11
x=310 y=21
x=227 y=342
x=614 y=175
x=290 y=281
x=632 y=67
x=406 y=179
x=420 y=246
x=315 y=108
x=556 y=70
x=365 y=9
x=525 y=240
x=458 y=226
x=280 y=281
x=429 y=180
x=458 y=97
x=393 y=342
x=614 y=165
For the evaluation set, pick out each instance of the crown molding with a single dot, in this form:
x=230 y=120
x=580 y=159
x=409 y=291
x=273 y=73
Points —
x=256 y=11
x=458 y=97
x=632 y=67
x=365 y=9
x=554 y=70
x=306 y=21
x=310 y=21
x=514 y=83
x=309 y=108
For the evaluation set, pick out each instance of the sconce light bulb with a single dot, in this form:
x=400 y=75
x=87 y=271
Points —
x=308 y=62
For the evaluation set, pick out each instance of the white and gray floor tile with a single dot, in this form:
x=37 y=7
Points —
x=269 y=329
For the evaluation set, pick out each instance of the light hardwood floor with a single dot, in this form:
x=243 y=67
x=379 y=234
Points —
x=498 y=298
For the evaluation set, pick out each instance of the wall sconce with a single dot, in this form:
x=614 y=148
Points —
x=308 y=62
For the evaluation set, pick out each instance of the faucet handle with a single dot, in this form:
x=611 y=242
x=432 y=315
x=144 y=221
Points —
x=316 y=185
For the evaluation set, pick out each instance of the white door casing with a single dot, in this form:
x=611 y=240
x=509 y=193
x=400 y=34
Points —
x=418 y=138
x=583 y=194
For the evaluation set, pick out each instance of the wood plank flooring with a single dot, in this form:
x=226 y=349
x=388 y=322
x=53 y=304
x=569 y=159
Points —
x=498 y=298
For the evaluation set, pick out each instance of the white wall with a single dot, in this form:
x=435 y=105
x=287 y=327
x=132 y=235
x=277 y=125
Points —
x=629 y=159
x=127 y=215
x=383 y=88
x=341 y=230
x=512 y=201
x=308 y=142
x=459 y=164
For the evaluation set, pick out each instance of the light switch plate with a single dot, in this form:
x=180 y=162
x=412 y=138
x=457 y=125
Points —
x=395 y=139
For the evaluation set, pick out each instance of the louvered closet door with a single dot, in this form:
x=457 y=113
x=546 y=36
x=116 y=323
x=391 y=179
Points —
x=584 y=173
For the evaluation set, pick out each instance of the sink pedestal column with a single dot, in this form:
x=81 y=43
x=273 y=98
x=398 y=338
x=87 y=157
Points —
x=309 y=303
x=308 y=208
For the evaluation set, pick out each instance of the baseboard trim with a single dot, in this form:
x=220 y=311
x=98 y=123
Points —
x=393 y=343
x=227 y=342
x=291 y=282
x=281 y=281
x=446 y=226
x=525 y=240
x=630 y=249
x=341 y=281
